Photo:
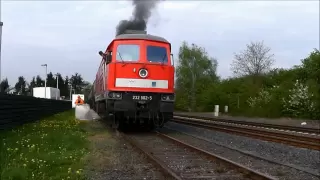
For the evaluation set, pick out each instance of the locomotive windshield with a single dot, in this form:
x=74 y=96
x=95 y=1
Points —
x=157 y=54
x=131 y=53
x=128 y=52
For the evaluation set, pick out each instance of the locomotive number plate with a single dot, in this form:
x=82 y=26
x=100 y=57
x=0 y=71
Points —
x=142 y=98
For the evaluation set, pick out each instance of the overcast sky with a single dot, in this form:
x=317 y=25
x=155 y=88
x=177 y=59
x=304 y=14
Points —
x=68 y=35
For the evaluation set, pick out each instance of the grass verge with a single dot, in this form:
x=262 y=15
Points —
x=53 y=148
x=104 y=151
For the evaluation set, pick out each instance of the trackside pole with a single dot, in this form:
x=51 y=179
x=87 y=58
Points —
x=216 y=110
x=226 y=109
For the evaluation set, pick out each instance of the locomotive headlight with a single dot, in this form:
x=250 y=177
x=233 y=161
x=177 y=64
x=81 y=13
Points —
x=167 y=97
x=143 y=73
x=114 y=95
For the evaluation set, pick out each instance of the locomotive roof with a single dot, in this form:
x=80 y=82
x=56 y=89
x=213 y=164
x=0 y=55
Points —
x=141 y=36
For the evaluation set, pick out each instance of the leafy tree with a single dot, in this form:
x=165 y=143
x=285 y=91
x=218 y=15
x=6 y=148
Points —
x=256 y=90
x=39 y=81
x=196 y=71
x=60 y=81
x=311 y=66
x=31 y=85
x=4 y=86
x=65 y=88
x=299 y=103
x=310 y=74
x=77 y=82
x=86 y=89
x=33 y=82
x=51 y=82
x=20 y=86
x=255 y=60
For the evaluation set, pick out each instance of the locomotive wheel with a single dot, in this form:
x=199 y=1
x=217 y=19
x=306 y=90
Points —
x=148 y=124
x=116 y=121
x=97 y=107
x=161 y=120
x=151 y=126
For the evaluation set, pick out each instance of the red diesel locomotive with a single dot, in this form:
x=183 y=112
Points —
x=134 y=84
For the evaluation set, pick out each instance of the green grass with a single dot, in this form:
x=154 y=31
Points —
x=53 y=148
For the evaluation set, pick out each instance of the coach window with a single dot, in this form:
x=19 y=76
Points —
x=157 y=54
x=128 y=52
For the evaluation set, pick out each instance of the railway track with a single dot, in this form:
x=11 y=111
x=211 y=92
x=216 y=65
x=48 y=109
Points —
x=265 y=164
x=184 y=161
x=304 y=130
x=294 y=139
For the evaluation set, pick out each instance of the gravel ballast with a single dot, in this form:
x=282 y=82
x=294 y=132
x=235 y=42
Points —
x=186 y=163
x=298 y=157
x=112 y=157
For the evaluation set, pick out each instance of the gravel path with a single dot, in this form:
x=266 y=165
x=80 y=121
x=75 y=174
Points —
x=303 y=158
x=111 y=157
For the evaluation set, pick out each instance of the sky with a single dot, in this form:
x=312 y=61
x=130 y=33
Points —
x=67 y=35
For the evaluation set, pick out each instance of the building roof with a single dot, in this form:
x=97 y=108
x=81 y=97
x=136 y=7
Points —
x=142 y=36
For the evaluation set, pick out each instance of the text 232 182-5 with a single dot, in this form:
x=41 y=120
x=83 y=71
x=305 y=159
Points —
x=145 y=98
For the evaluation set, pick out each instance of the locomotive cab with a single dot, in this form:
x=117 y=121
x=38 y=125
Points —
x=139 y=80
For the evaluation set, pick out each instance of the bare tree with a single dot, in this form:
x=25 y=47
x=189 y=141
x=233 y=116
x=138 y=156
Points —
x=255 y=60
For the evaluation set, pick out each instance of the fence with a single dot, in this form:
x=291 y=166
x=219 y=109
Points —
x=17 y=110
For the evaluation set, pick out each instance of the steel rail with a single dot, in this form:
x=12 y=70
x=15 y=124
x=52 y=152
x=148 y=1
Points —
x=246 y=153
x=273 y=136
x=155 y=160
x=248 y=172
x=265 y=125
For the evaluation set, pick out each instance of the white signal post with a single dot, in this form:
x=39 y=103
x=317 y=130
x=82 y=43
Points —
x=45 y=81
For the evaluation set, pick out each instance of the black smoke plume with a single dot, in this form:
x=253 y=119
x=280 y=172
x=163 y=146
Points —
x=140 y=16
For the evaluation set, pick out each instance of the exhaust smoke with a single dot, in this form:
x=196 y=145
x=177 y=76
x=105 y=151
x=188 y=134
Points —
x=140 y=16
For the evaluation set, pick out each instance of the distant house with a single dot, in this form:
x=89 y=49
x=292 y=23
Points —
x=11 y=91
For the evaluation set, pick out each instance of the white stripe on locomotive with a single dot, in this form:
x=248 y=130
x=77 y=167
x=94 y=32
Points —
x=141 y=83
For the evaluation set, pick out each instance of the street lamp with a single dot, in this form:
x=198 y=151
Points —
x=57 y=85
x=1 y=24
x=71 y=89
x=45 y=81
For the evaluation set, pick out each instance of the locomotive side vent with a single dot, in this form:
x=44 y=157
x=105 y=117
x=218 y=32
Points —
x=134 y=32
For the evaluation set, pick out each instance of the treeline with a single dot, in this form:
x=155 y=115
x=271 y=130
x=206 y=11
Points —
x=256 y=89
x=75 y=84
